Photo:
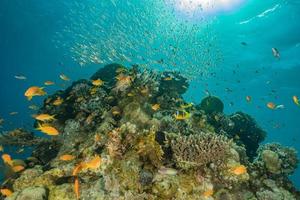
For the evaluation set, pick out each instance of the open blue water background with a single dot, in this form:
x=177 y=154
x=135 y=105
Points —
x=27 y=30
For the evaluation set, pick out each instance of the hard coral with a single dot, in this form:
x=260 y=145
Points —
x=199 y=150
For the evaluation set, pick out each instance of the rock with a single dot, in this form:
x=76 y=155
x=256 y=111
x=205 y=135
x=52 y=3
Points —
x=272 y=161
x=31 y=193
x=212 y=104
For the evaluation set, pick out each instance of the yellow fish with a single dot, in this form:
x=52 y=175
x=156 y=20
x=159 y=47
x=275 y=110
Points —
x=155 y=107
x=296 y=100
x=185 y=115
x=93 y=91
x=58 y=101
x=97 y=82
x=49 y=83
x=44 y=117
x=34 y=91
x=130 y=94
x=186 y=105
x=1 y=148
x=47 y=129
x=64 y=77
x=239 y=170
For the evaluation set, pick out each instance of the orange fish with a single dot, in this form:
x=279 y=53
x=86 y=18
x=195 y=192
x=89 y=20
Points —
x=34 y=91
x=44 y=117
x=49 y=83
x=94 y=163
x=77 y=169
x=296 y=100
x=47 y=129
x=6 y=192
x=64 y=77
x=208 y=193
x=76 y=187
x=58 y=101
x=67 y=157
x=7 y=159
x=18 y=168
x=271 y=105
x=239 y=170
x=248 y=98
x=155 y=107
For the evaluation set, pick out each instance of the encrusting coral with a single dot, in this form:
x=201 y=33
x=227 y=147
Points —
x=133 y=136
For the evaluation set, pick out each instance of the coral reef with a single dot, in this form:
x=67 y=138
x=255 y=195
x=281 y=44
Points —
x=133 y=136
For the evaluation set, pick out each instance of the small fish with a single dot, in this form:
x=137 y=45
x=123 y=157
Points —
x=185 y=115
x=130 y=94
x=47 y=129
x=296 y=100
x=18 y=168
x=208 y=193
x=58 y=101
x=6 y=192
x=155 y=107
x=167 y=171
x=168 y=79
x=33 y=107
x=76 y=187
x=44 y=117
x=244 y=43
x=13 y=113
x=1 y=121
x=67 y=157
x=271 y=105
x=116 y=112
x=1 y=148
x=64 y=77
x=280 y=106
x=97 y=82
x=248 y=98
x=93 y=91
x=20 y=77
x=34 y=91
x=275 y=52
x=20 y=150
x=7 y=159
x=94 y=163
x=98 y=138
x=49 y=83
x=239 y=170
x=184 y=106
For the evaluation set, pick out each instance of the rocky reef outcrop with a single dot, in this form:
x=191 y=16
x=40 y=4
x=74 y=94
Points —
x=133 y=136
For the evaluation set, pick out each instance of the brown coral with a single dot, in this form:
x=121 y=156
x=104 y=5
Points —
x=198 y=150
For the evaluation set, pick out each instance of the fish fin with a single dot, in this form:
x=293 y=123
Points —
x=29 y=98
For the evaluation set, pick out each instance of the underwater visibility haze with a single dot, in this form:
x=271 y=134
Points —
x=159 y=99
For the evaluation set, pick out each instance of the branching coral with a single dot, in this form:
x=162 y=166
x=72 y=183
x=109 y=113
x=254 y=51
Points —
x=198 y=150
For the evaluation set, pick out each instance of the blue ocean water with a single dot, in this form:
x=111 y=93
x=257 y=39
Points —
x=227 y=53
